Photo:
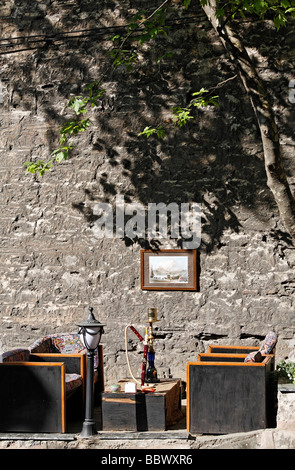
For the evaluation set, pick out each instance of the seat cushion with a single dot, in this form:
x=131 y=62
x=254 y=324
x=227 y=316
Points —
x=73 y=381
x=254 y=356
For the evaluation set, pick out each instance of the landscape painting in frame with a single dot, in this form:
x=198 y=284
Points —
x=168 y=270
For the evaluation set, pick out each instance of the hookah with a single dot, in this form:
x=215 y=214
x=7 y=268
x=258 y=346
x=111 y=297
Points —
x=151 y=373
x=148 y=375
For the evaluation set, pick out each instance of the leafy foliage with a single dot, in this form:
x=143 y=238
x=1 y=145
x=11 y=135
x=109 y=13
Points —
x=80 y=105
x=159 y=131
x=181 y=116
x=140 y=30
x=124 y=57
x=62 y=153
x=278 y=10
x=186 y=3
x=39 y=166
x=287 y=370
x=73 y=127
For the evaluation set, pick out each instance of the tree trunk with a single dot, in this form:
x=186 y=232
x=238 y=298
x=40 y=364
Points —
x=276 y=176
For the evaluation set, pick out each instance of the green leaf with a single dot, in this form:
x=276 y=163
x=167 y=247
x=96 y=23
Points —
x=200 y=92
x=181 y=116
x=220 y=12
x=62 y=153
x=95 y=91
x=123 y=57
x=73 y=127
x=117 y=36
x=203 y=101
x=285 y=4
x=280 y=20
x=286 y=369
x=39 y=166
x=78 y=104
x=133 y=26
x=159 y=131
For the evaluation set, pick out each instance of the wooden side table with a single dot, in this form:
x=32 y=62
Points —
x=152 y=411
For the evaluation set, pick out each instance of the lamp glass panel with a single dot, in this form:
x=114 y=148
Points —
x=91 y=337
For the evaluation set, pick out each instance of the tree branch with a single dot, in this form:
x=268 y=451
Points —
x=275 y=172
x=142 y=23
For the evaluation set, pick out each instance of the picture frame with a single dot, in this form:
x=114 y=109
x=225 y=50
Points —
x=169 y=270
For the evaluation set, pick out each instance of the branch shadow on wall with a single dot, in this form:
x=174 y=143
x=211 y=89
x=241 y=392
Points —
x=206 y=163
x=216 y=161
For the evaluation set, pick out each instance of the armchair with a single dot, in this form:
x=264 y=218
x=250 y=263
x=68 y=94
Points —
x=33 y=393
x=37 y=383
x=68 y=345
x=232 y=389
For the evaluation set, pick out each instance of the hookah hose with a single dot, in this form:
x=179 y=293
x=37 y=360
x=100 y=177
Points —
x=136 y=332
x=144 y=354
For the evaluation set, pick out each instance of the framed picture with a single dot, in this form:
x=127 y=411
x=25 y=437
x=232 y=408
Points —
x=169 y=270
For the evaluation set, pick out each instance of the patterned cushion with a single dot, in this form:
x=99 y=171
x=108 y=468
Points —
x=65 y=343
x=16 y=355
x=68 y=343
x=254 y=356
x=269 y=343
x=266 y=348
x=73 y=381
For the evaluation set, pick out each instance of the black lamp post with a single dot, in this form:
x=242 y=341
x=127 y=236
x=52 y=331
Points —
x=90 y=331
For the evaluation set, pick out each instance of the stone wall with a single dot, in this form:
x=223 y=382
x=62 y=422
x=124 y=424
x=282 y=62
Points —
x=53 y=265
x=286 y=404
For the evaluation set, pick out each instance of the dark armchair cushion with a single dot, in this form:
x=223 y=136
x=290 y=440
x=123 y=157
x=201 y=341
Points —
x=16 y=355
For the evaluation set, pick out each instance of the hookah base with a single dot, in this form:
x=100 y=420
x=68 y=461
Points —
x=152 y=381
